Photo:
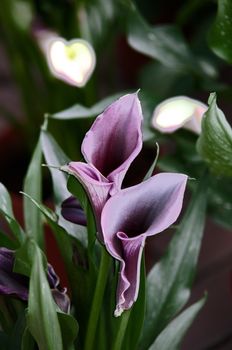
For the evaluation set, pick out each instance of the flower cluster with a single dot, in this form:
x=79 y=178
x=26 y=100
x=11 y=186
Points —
x=124 y=217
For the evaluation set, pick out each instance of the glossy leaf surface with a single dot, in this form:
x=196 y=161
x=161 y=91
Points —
x=170 y=280
x=172 y=335
x=215 y=141
x=221 y=32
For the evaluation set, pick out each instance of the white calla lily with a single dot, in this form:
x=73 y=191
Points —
x=72 y=61
x=177 y=112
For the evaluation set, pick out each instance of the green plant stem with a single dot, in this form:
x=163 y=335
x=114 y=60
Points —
x=121 y=331
x=97 y=299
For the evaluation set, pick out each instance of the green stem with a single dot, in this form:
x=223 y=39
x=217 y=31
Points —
x=121 y=330
x=97 y=299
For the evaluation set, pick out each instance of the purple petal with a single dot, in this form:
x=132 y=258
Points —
x=17 y=285
x=61 y=299
x=11 y=283
x=52 y=277
x=129 y=277
x=96 y=186
x=72 y=211
x=115 y=139
x=135 y=213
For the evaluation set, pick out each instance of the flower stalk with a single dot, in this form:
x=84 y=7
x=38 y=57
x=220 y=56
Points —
x=121 y=330
x=97 y=299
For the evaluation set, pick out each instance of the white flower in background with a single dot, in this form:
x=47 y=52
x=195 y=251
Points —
x=72 y=61
x=179 y=112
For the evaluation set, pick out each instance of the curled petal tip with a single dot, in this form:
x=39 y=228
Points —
x=118 y=311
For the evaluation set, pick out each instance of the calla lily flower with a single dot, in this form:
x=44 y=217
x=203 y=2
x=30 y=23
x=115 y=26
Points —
x=132 y=215
x=71 y=61
x=109 y=147
x=179 y=112
x=17 y=285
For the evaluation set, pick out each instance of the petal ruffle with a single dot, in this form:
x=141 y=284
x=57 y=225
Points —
x=129 y=277
x=132 y=215
x=115 y=139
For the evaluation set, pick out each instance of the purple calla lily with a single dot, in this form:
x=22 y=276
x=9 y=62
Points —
x=109 y=147
x=132 y=215
x=17 y=285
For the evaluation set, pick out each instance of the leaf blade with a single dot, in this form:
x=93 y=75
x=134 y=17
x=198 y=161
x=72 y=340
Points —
x=169 y=281
x=220 y=35
x=42 y=318
x=7 y=211
x=81 y=112
x=33 y=186
x=171 y=336
x=215 y=141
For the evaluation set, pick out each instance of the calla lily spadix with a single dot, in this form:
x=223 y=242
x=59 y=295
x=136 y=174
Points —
x=132 y=215
x=109 y=147
x=179 y=112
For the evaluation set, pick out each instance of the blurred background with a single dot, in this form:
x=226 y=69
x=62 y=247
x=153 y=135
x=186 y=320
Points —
x=165 y=49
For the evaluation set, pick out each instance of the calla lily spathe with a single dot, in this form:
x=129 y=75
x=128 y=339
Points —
x=109 y=147
x=179 y=112
x=132 y=215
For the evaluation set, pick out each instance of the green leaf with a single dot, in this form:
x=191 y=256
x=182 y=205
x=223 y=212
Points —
x=172 y=335
x=32 y=186
x=148 y=103
x=16 y=335
x=163 y=43
x=215 y=141
x=6 y=241
x=221 y=31
x=79 y=112
x=42 y=318
x=60 y=234
x=7 y=211
x=28 y=342
x=78 y=191
x=97 y=22
x=69 y=330
x=152 y=167
x=24 y=257
x=55 y=156
x=170 y=280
